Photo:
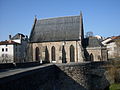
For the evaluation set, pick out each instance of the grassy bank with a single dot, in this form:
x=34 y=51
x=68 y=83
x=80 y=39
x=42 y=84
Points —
x=114 y=87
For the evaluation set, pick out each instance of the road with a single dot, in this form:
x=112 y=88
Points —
x=9 y=72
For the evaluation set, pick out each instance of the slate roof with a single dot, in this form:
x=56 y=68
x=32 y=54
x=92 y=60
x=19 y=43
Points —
x=93 y=42
x=17 y=36
x=56 y=29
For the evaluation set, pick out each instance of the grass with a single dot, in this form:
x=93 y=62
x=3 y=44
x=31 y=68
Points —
x=114 y=87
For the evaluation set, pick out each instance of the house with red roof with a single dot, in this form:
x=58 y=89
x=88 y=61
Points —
x=14 y=49
x=113 y=46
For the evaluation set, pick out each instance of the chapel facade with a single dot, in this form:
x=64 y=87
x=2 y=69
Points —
x=57 y=40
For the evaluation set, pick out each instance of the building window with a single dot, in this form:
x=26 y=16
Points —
x=63 y=55
x=46 y=54
x=53 y=53
x=72 y=54
x=6 y=49
x=37 y=54
x=91 y=57
x=2 y=49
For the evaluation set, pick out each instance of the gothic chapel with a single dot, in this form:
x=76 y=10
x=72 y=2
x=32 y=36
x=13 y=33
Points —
x=58 y=40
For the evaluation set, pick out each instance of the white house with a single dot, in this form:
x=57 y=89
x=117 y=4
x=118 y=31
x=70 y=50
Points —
x=113 y=49
x=7 y=51
x=14 y=49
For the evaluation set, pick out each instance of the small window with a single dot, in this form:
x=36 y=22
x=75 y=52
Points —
x=6 y=49
x=2 y=49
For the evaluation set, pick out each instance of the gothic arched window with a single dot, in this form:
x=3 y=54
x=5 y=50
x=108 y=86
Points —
x=91 y=57
x=63 y=55
x=53 y=53
x=46 y=54
x=72 y=54
x=37 y=52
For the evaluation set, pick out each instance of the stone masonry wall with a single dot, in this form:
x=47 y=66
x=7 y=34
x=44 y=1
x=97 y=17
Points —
x=73 y=76
x=58 y=52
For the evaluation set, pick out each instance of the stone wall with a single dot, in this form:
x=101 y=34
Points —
x=83 y=76
x=98 y=74
x=98 y=53
x=73 y=76
x=58 y=50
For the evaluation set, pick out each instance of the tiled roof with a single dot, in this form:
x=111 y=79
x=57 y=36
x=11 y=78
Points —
x=56 y=29
x=115 y=37
x=111 y=39
x=7 y=42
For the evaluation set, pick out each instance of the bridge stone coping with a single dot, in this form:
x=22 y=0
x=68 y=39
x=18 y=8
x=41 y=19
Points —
x=11 y=74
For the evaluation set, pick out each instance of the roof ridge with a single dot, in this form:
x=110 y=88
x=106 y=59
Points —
x=56 y=17
x=8 y=42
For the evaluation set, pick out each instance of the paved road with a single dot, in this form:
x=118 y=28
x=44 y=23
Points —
x=9 y=72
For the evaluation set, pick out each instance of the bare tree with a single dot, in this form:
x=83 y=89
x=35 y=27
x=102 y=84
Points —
x=6 y=59
x=89 y=34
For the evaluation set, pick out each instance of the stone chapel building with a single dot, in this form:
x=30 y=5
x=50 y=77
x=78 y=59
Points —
x=58 y=40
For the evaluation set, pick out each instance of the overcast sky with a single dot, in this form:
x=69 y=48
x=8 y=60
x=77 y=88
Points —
x=102 y=17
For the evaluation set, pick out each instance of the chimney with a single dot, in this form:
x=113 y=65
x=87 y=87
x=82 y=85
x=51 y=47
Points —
x=10 y=37
x=20 y=37
x=26 y=37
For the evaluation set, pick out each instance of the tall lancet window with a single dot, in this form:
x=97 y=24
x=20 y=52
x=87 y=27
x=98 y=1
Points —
x=53 y=53
x=72 y=54
x=46 y=54
x=37 y=54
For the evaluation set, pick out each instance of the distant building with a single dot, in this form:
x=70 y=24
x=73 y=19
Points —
x=99 y=37
x=60 y=40
x=96 y=51
x=14 y=49
x=112 y=46
x=7 y=51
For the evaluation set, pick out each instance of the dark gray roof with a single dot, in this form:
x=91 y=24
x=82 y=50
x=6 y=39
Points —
x=93 y=42
x=17 y=36
x=56 y=29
